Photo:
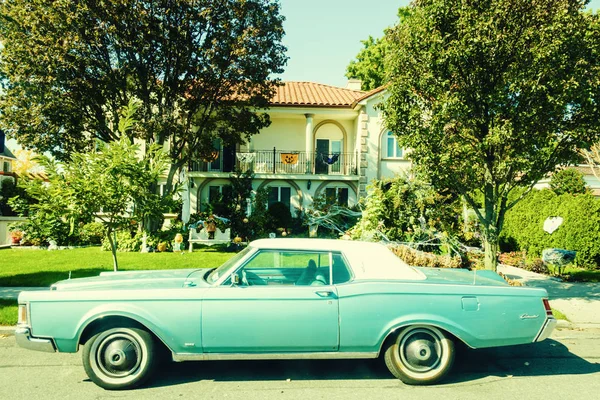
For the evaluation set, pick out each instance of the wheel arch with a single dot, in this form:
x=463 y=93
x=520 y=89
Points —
x=452 y=330
x=109 y=320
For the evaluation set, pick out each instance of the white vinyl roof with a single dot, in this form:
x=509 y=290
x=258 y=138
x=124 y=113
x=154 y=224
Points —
x=368 y=260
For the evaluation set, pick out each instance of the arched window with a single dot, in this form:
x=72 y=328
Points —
x=390 y=147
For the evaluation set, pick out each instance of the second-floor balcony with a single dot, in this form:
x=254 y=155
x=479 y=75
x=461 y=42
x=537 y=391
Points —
x=279 y=162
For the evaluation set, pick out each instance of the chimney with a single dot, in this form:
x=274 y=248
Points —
x=2 y=137
x=354 y=84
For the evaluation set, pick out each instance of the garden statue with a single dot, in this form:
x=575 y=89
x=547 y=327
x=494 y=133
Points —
x=52 y=245
x=211 y=226
x=178 y=241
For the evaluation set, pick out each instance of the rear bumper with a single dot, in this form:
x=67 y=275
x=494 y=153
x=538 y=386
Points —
x=24 y=339
x=546 y=330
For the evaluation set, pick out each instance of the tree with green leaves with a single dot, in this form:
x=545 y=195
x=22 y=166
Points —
x=110 y=183
x=568 y=180
x=369 y=65
x=200 y=68
x=492 y=95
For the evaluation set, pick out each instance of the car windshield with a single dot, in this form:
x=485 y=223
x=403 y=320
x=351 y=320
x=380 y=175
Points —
x=226 y=268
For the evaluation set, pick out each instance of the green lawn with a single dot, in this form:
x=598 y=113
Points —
x=21 y=267
x=575 y=274
x=8 y=312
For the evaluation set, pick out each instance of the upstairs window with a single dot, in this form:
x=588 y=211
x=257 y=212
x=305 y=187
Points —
x=391 y=149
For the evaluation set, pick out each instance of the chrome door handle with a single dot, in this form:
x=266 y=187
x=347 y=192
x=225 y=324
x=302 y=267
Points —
x=324 y=293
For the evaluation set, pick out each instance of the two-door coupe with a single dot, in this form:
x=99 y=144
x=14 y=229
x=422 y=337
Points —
x=282 y=299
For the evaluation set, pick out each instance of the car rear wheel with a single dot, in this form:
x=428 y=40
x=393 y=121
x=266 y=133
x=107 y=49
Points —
x=119 y=358
x=420 y=355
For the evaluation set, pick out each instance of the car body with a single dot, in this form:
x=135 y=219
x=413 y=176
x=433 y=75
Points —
x=284 y=299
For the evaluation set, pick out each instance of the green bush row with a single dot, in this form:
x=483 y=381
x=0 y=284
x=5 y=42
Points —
x=580 y=230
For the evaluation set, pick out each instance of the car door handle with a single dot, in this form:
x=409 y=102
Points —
x=324 y=293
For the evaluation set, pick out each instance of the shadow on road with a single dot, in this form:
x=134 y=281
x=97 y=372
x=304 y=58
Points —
x=546 y=358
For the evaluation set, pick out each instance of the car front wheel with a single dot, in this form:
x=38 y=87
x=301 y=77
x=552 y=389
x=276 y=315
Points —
x=119 y=358
x=420 y=355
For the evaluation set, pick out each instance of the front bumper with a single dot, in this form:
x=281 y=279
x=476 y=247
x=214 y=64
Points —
x=546 y=330
x=24 y=339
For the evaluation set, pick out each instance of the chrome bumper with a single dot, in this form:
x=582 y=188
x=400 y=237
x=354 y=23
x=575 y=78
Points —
x=24 y=339
x=546 y=330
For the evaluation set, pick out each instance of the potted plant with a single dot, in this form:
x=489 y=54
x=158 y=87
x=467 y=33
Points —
x=16 y=236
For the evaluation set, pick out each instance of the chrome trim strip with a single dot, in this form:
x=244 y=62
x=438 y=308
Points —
x=25 y=340
x=178 y=357
x=546 y=329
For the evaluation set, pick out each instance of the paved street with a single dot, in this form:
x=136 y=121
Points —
x=557 y=368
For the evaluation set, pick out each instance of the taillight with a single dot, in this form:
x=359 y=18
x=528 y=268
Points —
x=548 y=308
x=23 y=317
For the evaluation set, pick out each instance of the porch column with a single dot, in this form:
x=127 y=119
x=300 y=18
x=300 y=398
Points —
x=309 y=132
x=309 y=141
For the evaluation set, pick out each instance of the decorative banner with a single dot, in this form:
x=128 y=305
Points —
x=329 y=159
x=245 y=157
x=214 y=154
x=289 y=158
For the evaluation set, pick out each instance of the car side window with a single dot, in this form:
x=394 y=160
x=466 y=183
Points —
x=277 y=267
x=339 y=270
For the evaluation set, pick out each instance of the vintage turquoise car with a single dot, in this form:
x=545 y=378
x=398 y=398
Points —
x=282 y=299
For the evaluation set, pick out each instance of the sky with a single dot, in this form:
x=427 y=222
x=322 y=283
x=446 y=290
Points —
x=323 y=36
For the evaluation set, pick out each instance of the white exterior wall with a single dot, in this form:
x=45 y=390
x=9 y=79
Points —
x=283 y=133
x=378 y=167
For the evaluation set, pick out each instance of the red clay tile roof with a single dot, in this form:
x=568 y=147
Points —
x=311 y=94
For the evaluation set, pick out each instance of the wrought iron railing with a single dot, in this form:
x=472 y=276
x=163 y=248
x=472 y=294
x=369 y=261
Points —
x=283 y=162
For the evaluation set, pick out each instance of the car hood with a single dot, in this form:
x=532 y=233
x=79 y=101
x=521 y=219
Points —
x=135 y=280
x=459 y=276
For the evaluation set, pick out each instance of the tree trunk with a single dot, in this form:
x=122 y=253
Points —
x=491 y=247
x=113 y=248
x=490 y=228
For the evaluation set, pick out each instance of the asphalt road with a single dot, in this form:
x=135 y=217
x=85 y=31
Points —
x=567 y=366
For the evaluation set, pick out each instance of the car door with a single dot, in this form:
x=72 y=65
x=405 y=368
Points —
x=275 y=307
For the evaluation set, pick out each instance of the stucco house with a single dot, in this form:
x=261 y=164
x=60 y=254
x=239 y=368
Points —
x=323 y=141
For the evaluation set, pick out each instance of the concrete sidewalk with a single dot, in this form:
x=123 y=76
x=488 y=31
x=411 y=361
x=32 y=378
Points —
x=579 y=301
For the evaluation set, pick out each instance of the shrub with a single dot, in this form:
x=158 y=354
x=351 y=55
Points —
x=280 y=215
x=126 y=242
x=567 y=180
x=418 y=258
x=538 y=266
x=580 y=230
x=514 y=258
x=407 y=210
x=92 y=233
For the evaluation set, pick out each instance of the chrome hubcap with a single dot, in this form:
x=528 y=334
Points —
x=119 y=355
x=420 y=350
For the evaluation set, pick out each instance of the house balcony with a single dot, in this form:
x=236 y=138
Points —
x=279 y=162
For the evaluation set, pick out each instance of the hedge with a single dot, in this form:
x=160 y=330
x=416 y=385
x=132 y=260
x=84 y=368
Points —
x=580 y=230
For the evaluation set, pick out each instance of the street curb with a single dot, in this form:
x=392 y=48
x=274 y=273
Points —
x=7 y=330
x=561 y=323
